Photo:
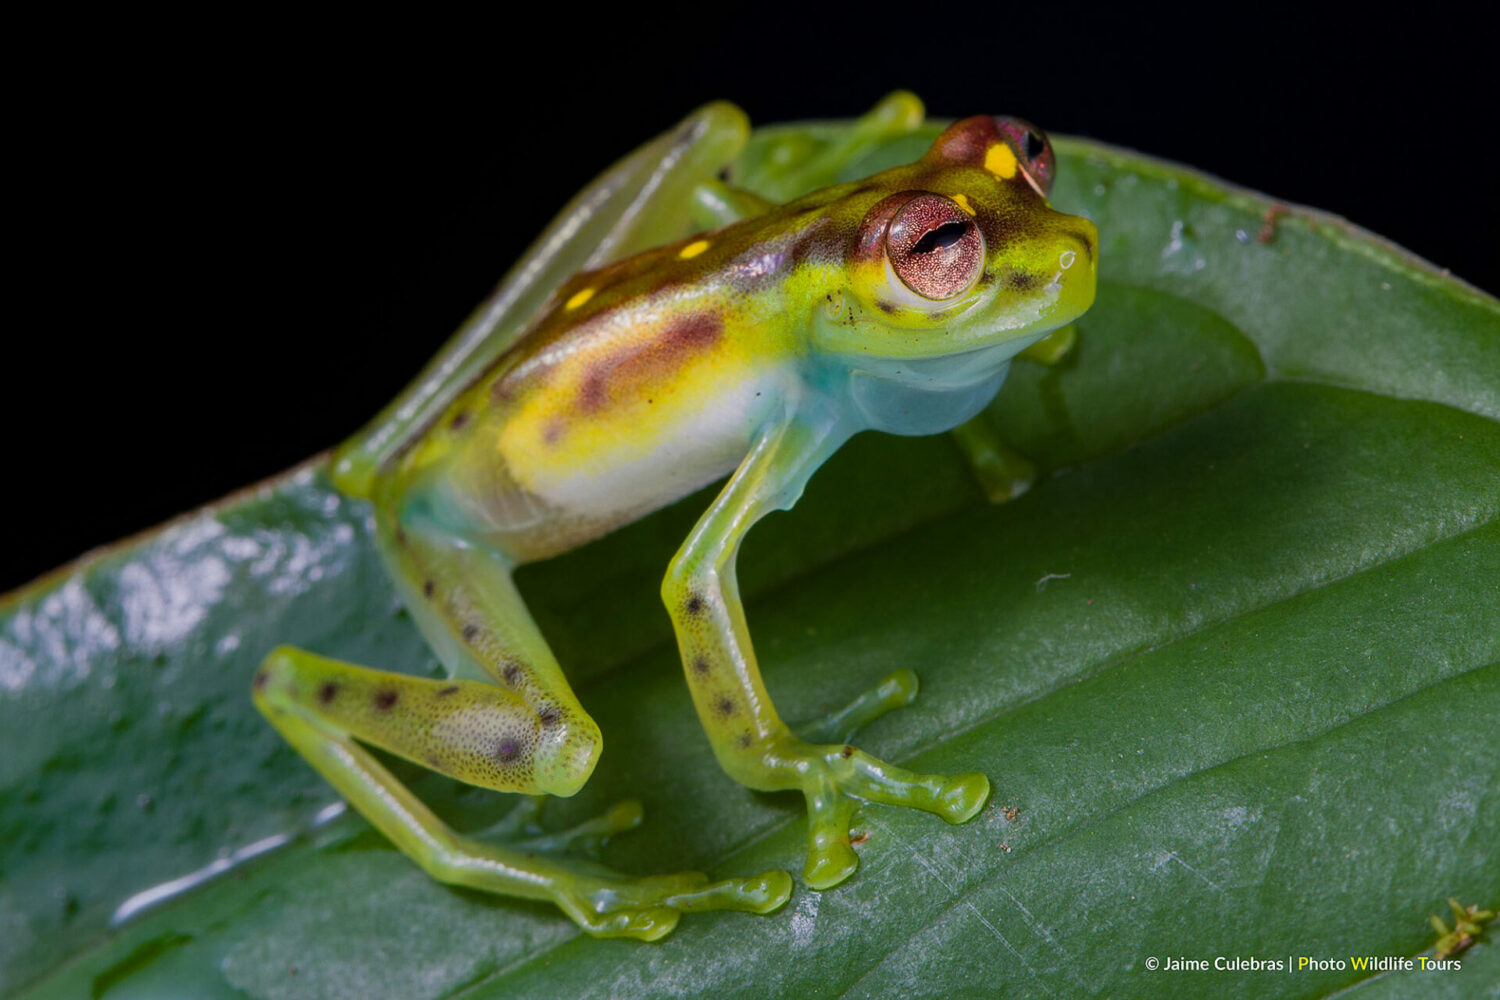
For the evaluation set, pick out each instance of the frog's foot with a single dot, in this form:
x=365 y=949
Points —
x=587 y=837
x=836 y=778
x=1052 y=348
x=895 y=690
x=607 y=904
x=1002 y=472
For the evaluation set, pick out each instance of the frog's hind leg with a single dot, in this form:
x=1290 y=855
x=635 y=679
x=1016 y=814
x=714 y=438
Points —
x=506 y=721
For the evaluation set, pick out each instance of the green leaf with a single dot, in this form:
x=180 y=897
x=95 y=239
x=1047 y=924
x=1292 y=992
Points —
x=1232 y=666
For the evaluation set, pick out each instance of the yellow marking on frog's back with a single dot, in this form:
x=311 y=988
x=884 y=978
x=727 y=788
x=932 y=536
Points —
x=1000 y=161
x=579 y=298
x=693 y=249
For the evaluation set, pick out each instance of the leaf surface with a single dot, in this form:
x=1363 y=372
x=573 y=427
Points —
x=1232 y=666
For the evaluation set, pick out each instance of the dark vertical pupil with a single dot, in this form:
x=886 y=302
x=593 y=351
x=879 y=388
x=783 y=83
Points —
x=1035 y=144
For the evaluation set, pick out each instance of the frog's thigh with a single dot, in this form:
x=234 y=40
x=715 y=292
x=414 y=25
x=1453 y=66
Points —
x=468 y=609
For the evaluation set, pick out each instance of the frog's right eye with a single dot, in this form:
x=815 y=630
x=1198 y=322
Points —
x=934 y=247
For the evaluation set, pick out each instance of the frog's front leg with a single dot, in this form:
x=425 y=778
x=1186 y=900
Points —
x=517 y=728
x=751 y=742
x=1004 y=473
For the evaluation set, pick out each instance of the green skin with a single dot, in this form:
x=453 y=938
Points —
x=756 y=348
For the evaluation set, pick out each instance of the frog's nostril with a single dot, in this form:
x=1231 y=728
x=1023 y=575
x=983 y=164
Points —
x=1084 y=243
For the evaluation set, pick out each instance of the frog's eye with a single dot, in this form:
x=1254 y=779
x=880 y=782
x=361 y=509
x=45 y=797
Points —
x=934 y=247
x=1034 y=148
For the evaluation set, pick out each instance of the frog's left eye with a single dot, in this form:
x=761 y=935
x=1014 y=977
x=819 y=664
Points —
x=934 y=247
x=1035 y=149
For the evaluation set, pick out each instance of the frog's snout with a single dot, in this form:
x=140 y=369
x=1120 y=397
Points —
x=1076 y=281
x=1085 y=235
x=1078 y=260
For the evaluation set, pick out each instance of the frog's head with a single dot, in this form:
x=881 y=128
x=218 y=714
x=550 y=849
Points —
x=963 y=257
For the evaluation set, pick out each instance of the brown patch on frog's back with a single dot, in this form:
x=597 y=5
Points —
x=653 y=359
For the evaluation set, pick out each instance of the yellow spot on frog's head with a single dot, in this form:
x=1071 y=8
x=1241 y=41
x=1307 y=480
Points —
x=1000 y=161
x=963 y=203
x=693 y=249
x=579 y=298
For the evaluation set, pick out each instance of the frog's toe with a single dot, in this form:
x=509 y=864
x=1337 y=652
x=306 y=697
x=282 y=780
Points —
x=846 y=777
x=962 y=797
x=895 y=690
x=648 y=908
x=763 y=893
x=648 y=923
x=590 y=835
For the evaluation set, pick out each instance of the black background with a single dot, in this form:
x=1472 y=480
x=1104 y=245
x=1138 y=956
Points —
x=239 y=240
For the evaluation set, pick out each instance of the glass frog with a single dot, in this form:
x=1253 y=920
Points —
x=623 y=365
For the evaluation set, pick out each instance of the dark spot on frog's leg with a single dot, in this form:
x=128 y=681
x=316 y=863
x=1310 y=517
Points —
x=327 y=692
x=512 y=674
x=385 y=699
x=743 y=741
x=724 y=706
x=427 y=588
x=694 y=605
x=449 y=690
x=507 y=750
x=700 y=666
x=458 y=421
x=471 y=632
x=549 y=716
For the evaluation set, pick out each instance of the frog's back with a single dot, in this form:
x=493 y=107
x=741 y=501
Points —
x=642 y=384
